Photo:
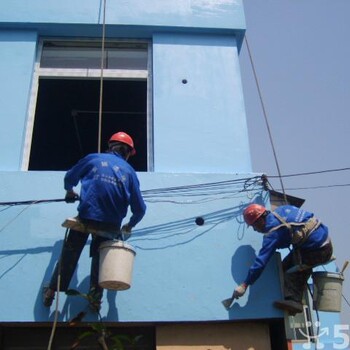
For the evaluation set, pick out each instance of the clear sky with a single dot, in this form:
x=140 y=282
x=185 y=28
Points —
x=301 y=54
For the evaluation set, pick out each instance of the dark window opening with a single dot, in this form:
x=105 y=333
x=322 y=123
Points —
x=67 y=118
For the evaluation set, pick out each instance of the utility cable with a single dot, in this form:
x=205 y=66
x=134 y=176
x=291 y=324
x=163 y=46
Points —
x=265 y=117
x=311 y=173
x=101 y=77
x=35 y=201
x=13 y=219
x=316 y=187
x=202 y=189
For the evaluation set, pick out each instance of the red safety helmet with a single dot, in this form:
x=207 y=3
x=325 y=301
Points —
x=123 y=137
x=253 y=212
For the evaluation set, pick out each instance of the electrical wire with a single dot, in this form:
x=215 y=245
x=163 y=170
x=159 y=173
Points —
x=311 y=173
x=33 y=201
x=14 y=218
x=245 y=184
x=316 y=187
x=231 y=187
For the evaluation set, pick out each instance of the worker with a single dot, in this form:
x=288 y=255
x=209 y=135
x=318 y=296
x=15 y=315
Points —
x=109 y=185
x=287 y=227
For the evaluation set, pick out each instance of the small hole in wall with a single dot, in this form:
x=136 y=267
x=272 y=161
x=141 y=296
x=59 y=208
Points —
x=199 y=221
x=184 y=81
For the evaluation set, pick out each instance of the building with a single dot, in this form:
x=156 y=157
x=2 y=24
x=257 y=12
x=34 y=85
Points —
x=171 y=78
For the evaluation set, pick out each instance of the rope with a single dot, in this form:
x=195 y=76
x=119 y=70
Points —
x=58 y=286
x=101 y=78
x=266 y=119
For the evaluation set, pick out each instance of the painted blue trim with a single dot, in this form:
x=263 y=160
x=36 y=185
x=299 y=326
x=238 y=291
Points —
x=117 y=31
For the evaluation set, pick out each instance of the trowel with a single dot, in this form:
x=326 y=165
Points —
x=228 y=302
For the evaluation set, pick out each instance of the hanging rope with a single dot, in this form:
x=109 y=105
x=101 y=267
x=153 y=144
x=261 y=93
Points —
x=266 y=119
x=101 y=77
x=58 y=288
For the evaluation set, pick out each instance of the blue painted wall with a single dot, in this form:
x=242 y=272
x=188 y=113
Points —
x=199 y=117
x=18 y=50
x=182 y=270
x=204 y=37
x=214 y=14
x=125 y=18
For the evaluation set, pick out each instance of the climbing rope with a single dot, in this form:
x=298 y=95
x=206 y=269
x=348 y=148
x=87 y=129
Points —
x=101 y=77
x=265 y=117
x=57 y=294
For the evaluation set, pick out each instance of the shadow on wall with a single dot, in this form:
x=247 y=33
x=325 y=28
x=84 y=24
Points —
x=244 y=256
x=23 y=253
x=242 y=259
x=73 y=305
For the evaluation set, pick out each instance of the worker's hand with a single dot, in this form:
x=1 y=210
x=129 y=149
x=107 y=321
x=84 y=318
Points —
x=126 y=229
x=71 y=197
x=239 y=291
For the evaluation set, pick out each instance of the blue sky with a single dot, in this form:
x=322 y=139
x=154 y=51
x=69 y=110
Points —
x=301 y=54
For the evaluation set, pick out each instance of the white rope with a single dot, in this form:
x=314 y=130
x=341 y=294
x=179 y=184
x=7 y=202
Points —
x=57 y=293
x=266 y=120
x=101 y=77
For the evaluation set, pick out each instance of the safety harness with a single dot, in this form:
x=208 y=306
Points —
x=303 y=231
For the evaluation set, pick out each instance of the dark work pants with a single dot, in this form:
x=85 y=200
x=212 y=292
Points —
x=295 y=283
x=71 y=251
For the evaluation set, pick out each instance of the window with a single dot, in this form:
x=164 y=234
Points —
x=56 y=54
x=64 y=121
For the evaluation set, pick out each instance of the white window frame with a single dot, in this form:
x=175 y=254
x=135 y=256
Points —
x=131 y=74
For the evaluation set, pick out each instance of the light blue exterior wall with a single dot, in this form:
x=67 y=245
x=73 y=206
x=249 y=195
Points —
x=182 y=270
x=215 y=14
x=18 y=50
x=199 y=118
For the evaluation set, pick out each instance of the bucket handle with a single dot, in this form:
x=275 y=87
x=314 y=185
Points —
x=344 y=267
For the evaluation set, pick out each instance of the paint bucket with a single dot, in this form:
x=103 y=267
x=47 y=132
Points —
x=327 y=291
x=116 y=265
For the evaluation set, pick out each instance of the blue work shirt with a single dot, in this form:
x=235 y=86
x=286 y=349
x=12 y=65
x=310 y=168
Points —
x=109 y=185
x=278 y=236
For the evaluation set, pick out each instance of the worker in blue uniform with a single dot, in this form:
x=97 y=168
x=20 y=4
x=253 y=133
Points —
x=109 y=186
x=288 y=226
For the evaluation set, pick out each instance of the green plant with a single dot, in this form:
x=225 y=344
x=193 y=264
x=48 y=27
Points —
x=104 y=337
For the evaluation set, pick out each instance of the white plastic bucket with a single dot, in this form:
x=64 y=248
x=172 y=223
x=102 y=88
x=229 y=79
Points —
x=116 y=265
x=327 y=291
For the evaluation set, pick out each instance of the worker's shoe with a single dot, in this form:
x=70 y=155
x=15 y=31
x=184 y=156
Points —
x=48 y=296
x=291 y=306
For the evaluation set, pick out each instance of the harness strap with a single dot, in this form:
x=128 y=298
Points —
x=305 y=229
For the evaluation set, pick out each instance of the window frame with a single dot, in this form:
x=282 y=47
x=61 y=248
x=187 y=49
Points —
x=87 y=73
